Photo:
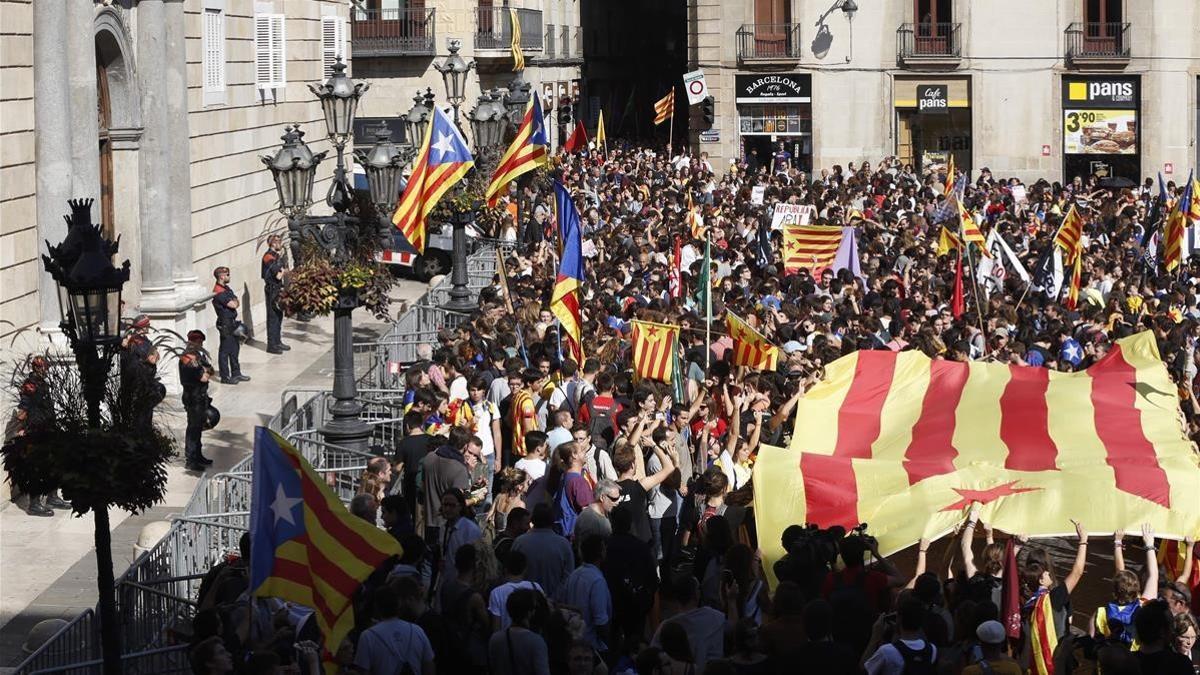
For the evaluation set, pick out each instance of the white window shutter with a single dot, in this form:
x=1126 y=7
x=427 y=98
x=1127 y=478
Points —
x=345 y=43
x=278 y=50
x=262 y=51
x=214 y=50
x=330 y=34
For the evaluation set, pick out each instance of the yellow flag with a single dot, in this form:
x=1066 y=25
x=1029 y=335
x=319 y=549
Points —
x=517 y=54
x=601 y=137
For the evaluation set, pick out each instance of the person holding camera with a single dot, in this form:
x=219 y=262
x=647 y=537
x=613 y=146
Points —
x=194 y=372
x=226 y=304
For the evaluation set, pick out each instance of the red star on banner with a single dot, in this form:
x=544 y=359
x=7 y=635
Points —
x=985 y=496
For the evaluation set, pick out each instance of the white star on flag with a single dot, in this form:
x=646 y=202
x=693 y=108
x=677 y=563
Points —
x=1071 y=351
x=444 y=145
x=283 y=505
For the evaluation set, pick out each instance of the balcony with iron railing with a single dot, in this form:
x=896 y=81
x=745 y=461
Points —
x=1098 y=44
x=392 y=32
x=768 y=42
x=929 y=44
x=493 y=31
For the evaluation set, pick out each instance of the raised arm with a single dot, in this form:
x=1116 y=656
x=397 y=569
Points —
x=1118 y=551
x=1150 y=590
x=964 y=542
x=922 y=550
x=1076 y=572
x=732 y=433
x=1189 y=545
x=785 y=411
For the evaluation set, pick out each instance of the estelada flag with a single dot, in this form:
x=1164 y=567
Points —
x=906 y=444
x=695 y=221
x=305 y=547
x=441 y=162
x=750 y=348
x=810 y=247
x=654 y=345
x=971 y=232
x=664 y=108
x=1070 y=235
x=1173 y=231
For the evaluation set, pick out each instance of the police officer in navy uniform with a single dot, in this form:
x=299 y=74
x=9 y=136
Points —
x=272 y=275
x=35 y=410
x=194 y=373
x=226 y=303
x=139 y=370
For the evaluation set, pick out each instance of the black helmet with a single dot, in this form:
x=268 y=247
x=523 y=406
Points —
x=212 y=417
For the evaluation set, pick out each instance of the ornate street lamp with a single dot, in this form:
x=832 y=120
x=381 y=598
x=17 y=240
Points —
x=339 y=100
x=516 y=100
x=487 y=126
x=89 y=292
x=384 y=165
x=454 y=75
x=294 y=169
x=335 y=234
x=417 y=119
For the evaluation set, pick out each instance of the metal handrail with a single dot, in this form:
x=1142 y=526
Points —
x=494 y=28
x=928 y=40
x=1086 y=40
x=768 y=41
x=397 y=31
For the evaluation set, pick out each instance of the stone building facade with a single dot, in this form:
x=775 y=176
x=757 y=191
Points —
x=1028 y=88
x=158 y=110
x=396 y=43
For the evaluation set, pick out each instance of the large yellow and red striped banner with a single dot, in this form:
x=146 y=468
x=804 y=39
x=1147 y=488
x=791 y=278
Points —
x=810 y=247
x=653 y=349
x=906 y=443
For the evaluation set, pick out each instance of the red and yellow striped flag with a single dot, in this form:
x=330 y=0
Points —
x=970 y=231
x=907 y=443
x=750 y=348
x=810 y=247
x=1043 y=639
x=664 y=108
x=653 y=349
x=1178 y=219
x=1076 y=281
x=1070 y=235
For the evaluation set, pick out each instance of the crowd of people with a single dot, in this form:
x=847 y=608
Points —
x=561 y=516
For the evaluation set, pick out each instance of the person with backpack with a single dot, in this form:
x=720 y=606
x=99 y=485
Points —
x=598 y=461
x=581 y=388
x=1114 y=620
x=910 y=653
x=392 y=646
x=569 y=491
x=600 y=414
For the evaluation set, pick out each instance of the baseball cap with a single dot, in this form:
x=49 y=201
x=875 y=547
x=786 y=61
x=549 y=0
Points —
x=990 y=632
x=792 y=346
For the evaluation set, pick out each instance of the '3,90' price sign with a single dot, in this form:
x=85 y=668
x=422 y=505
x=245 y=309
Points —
x=1100 y=132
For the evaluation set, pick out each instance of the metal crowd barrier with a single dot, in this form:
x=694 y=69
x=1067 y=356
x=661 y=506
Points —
x=156 y=596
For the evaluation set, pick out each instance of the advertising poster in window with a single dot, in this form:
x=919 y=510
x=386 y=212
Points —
x=1100 y=132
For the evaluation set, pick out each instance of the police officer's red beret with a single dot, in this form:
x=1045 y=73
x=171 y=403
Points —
x=195 y=336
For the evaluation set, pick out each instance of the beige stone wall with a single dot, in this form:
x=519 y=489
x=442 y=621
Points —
x=233 y=196
x=1013 y=54
x=19 y=244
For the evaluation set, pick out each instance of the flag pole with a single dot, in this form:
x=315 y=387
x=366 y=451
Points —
x=671 y=127
x=975 y=292
x=707 y=279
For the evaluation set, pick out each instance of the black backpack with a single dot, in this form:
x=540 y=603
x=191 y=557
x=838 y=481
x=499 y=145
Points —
x=916 y=661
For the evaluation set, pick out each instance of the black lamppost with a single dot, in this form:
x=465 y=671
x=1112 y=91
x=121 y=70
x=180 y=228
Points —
x=454 y=75
x=418 y=117
x=384 y=164
x=487 y=127
x=294 y=168
x=89 y=295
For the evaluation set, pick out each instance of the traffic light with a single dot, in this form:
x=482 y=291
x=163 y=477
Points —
x=708 y=110
x=564 y=112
